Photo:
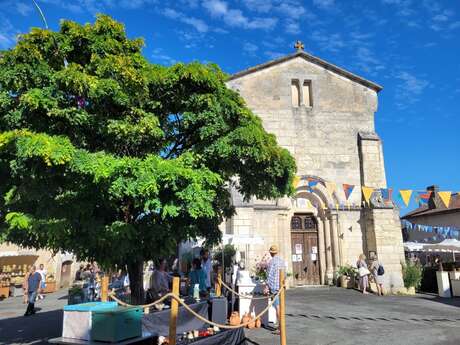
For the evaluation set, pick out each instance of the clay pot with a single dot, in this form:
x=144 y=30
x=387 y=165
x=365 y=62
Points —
x=252 y=323
x=235 y=319
x=246 y=318
x=258 y=323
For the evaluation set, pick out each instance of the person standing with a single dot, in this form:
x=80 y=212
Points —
x=33 y=286
x=378 y=272
x=197 y=276
x=42 y=272
x=206 y=266
x=78 y=274
x=363 y=272
x=159 y=280
x=273 y=279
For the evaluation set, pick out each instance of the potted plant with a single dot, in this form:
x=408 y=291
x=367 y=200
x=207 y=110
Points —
x=76 y=295
x=346 y=275
x=412 y=276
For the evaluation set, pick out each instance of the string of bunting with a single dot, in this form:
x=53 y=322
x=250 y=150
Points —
x=446 y=231
x=404 y=195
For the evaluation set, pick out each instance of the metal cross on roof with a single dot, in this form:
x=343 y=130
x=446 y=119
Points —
x=299 y=45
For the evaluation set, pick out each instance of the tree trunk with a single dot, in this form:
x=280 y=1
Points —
x=136 y=281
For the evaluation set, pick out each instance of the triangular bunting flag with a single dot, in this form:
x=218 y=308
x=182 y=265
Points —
x=405 y=195
x=387 y=193
x=423 y=197
x=348 y=189
x=312 y=182
x=295 y=181
x=445 y=197
x=367 y=192
x=331 y=187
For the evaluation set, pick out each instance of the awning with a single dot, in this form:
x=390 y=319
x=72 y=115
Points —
x=18 y=257
x=413 y=246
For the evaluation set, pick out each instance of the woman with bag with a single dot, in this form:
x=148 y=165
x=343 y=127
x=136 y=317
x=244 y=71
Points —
x=363 y=272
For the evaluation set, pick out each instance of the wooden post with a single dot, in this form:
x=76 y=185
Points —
x=282 y=320
x=174 y=312
x=105 y=289
x=218 y=282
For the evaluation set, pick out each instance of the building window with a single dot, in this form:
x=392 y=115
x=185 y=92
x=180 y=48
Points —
x=295 y=93
x=309 y=223
x=296 y=223
x=307 y=95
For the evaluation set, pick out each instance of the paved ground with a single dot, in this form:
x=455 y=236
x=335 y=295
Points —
x=314 y=316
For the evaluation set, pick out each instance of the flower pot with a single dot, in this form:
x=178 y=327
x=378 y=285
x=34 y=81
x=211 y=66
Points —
x=344 y=282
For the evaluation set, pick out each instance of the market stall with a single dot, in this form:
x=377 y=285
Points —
x=13 y=269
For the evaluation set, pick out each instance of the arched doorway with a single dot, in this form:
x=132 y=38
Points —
x=66 y=278
x=305 y=255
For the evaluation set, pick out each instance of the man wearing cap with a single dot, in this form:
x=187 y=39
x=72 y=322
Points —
x=273 y=278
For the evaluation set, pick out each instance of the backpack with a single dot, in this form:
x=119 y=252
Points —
x=380 y=271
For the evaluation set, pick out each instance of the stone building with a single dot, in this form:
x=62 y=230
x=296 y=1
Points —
x=324 y=115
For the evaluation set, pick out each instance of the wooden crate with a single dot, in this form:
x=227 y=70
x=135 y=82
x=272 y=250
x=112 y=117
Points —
x=4 y=291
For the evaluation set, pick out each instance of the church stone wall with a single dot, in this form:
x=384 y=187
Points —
x=322 y=138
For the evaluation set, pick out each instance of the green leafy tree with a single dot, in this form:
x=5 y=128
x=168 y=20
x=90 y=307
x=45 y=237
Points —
x=117 y=160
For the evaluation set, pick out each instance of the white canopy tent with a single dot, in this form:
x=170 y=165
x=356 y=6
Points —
x=413 y=246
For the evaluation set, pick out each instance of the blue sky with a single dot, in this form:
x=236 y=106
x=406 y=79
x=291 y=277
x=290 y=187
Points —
x=411 y=47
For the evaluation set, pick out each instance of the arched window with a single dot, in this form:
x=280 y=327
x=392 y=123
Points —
x=309 y=223
x=295 y=93
x=296 y=223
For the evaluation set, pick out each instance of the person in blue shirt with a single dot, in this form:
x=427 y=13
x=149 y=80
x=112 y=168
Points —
x=273 y=279
x=197 y=276
x=33 y=280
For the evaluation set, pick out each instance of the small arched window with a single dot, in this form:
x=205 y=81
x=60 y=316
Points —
x=309 y=223
x=296 y=223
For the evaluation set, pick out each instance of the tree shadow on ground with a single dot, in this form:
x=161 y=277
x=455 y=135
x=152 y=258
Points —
x=454 y=302
x=36 y=329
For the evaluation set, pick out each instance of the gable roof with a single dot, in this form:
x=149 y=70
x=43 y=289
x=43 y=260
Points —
x=313 y=59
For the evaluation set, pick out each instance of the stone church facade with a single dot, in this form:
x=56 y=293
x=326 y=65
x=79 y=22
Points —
x=324 y=115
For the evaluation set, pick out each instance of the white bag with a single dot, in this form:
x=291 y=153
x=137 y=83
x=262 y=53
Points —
x=363 y=271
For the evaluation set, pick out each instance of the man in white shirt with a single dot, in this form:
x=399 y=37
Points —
x=42 y=272
x=206 y=266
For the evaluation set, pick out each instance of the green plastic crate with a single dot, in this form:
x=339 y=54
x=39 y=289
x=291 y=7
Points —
x=117 y=324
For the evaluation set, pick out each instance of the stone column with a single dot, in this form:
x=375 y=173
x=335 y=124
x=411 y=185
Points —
x=335 y=242
x=321 y=252
x=327 y=235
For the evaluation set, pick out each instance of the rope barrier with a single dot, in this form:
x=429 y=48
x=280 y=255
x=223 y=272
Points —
x=243 y=296
x=124 y=304
x=198 y=316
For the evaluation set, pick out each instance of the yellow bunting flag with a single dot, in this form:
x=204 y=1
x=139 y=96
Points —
x=331 y=187
x=295 y=181
x=405 y=195
x=445 y=197
x=367 y=192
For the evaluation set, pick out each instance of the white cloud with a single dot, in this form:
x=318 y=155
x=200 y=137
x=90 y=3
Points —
x=273 y=54
x=236 y=18
x=198 y=24
x=324 y=4
x=8 y=34
x=250 y=48
x=262 y=6
x=23 y=8
x=409 y=89
x=292 y=27
x=367 y=61
x=159 y=56
x=328 y=42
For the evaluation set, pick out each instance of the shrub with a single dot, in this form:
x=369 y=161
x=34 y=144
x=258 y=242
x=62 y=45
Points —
x=412 y=275
x=347 y=270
